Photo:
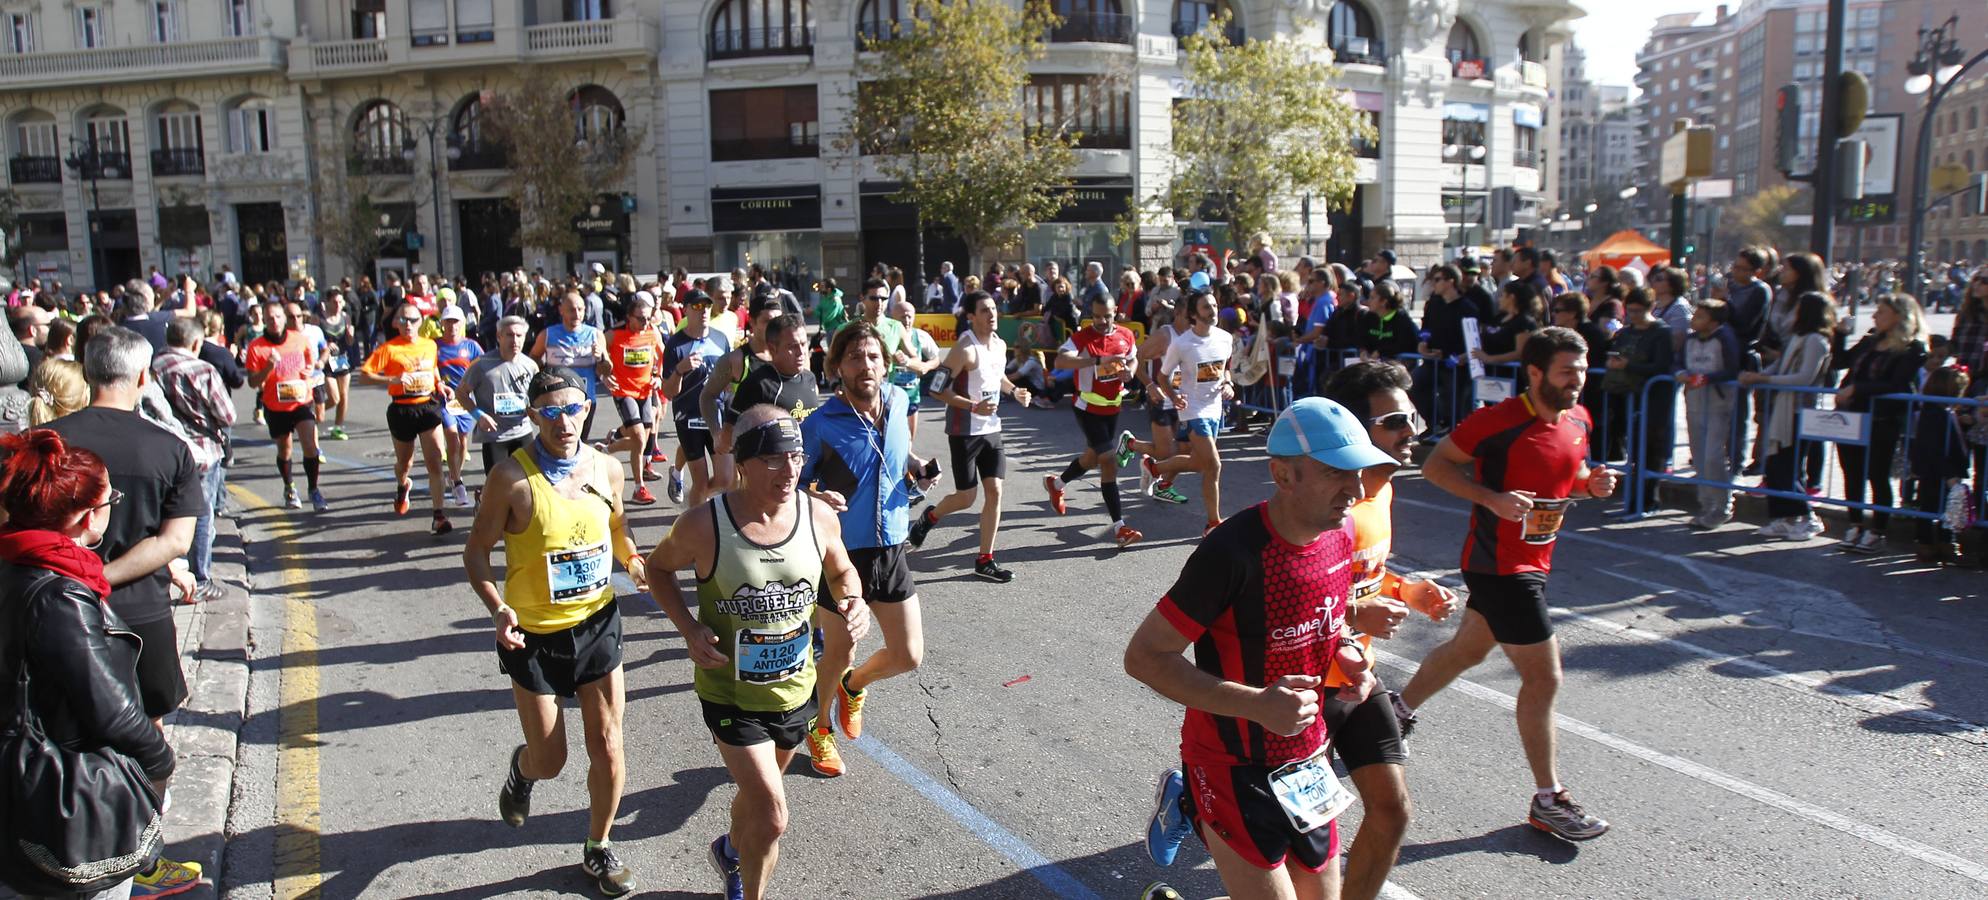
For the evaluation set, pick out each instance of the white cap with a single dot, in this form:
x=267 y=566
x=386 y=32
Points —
x=453 y=313
x=599 y=269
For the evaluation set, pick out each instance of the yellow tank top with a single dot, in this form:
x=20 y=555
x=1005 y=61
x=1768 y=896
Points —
x=557 y=571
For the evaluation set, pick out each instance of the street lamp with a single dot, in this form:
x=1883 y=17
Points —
x=1934 y=69
x=429 y=127
x=1590 y=208
x=84 y=160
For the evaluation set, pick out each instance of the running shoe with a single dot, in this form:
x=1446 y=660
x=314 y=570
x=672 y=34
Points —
x=258 y=415
x=993 y=572
x=400 y=495
x=166 y=879
x=441 y=524
x=920 y=527
x=849 y=708
x=290 y=500
x=604 y=866
x=1125 y=451
x=1404 y=718
x=514 y=799
x=459 y=494
x=656 y=456
x=1151 y=467
x=725 y=861
x=675 y=487
x=1783 y=530
x=1209 y=526
x=1870 y=543
x=649 y=473
x=1054 y=486
x=1164 y=490
x=209 y=591
x=1169 y=825
x=1851 y=537
x=318 y=502
x=1159 y=890
x=917 y=497
x=822 y=754
x=337 y=434
x=1565 y=819
x=1126 y=535
x=642 y=496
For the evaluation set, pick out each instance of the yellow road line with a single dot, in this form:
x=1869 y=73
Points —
x=299 y=873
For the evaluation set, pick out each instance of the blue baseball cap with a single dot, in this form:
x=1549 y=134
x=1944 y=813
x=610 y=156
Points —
x=1327 y=432
x=1198 y=281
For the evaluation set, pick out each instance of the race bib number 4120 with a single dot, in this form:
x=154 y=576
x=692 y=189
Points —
x=768 y=656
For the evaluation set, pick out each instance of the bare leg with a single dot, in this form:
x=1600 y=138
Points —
x=1383 y=791
x=1465 y=649
x=431 y=459
x=990 y=515
x=545 y=734
x=759 y=812
x=904 y=644
x=836 y=652
x=602 y=703
x=1538 y=666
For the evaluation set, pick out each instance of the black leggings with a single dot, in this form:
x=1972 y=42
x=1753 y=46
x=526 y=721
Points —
x=1870 y=465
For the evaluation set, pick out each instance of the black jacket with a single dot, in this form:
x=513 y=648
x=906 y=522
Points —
x=82 y=667
x=1391 y=337
x=1875 y=372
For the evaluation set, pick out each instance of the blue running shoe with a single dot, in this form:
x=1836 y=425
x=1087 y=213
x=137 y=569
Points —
x=725 y=861
x=1170 y=825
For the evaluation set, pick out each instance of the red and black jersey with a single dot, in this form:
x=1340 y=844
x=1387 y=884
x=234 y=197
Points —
x=1257 y=609
x=1516 y=450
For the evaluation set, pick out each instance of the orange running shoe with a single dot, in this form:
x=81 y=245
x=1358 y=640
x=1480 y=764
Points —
x=849 y=708
x=643 y=497
x=821 y=750
x=400 y=496
x=1054 y=486
x=1127 y=536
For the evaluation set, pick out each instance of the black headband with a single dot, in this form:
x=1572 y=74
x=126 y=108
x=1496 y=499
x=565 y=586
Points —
x=554 y=378
x=770 y=438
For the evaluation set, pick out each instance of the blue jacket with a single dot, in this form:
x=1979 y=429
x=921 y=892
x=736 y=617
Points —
x=849 y=455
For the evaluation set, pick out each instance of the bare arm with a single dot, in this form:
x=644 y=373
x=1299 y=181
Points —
x=150 y=555
x=502 y=495
x=624 y=540
x=1446 y=470
x=681 y=548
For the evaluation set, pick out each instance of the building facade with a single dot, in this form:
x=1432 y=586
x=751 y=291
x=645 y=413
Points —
x=202 y=133
x=1955 y=230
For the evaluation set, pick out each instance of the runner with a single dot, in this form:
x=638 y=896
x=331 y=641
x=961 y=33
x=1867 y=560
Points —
x=1165 y=420
x=557 y=504
x=280 y=363
x=921 y=357
x=1194 y=374
x=576 y=345
x=689 y=357
x=859 y=451
x=493 y=392
x=784 y=381
x=1529 y=459
x=632 y=355
x=1263 y=602
x=341 y=337
x=406 y=365
x=715 y=400
x=454 y=353
x=768 y=559
x=1102 y=354
x=970 y=382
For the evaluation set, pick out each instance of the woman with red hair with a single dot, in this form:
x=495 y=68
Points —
x=55 y=626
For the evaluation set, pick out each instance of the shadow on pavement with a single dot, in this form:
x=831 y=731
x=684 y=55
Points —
x=1512 y=840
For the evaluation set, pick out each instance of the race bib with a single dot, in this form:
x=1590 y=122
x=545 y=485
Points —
x=419 y=383
x=768 y=656
x=696 y=423
x=1209 y=372
x=1542 y=522
x=338 y=364
x=1309 y=793
x=1112 y=369
x=508 y=404
x=638 y=357
x=294 y=391
x=577 y=574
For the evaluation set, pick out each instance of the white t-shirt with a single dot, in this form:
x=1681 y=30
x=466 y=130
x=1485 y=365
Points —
x=1202 y=363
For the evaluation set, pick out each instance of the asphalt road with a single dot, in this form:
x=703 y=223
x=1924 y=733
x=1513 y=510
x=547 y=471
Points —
x=1756 y=721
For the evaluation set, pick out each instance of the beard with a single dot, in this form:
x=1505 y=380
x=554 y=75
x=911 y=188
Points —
x=1558 y=398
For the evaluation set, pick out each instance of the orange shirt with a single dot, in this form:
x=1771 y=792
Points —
x=633 y=356
x=410 y=362
x=290 y=365
x=1373 y=538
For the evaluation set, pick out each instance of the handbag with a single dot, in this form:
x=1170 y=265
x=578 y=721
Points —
x=71 y=821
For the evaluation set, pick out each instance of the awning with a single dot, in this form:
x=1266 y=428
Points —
x=1526 y=115
x=1467 y=112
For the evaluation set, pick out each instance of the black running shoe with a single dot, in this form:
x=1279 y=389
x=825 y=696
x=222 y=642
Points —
x=1403 y=716
x=993 y=572
x=514 y=800
x=605 y=867
x=921 y=526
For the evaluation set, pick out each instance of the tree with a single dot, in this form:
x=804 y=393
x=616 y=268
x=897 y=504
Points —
x=348 y=219
x=10 y=234
x=942 y=104
x=558 y=166
x=1262 y=123
x=1762 y=218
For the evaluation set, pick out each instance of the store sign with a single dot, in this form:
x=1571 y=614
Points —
x=1095 y=203
x=766 y=209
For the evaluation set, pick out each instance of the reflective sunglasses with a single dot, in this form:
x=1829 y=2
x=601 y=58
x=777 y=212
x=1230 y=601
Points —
x=552 y=413
x=1400 y=420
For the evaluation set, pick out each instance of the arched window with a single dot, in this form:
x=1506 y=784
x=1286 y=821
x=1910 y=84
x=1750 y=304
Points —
x=597 y=113
x=1528 y=48
x=1352 y=35
x=1973 y=117
x=470 y=147
x=252 y=125
x=1190 y=16
x=1093 y=21
x=107 y=140
x=880 y=20
x=1463 y=43
x=743 y=28
x=379 y=140
x=177 y=146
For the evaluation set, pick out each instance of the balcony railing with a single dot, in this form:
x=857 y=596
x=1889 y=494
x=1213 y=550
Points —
x=1358 y=51
x=378 y=165
x=480 y=157
x=1095 y=28
x=35 y=170
x=745 y=149
x=1233 y=33
x=225 y=56
x=106 y=165
x=743 y=43
x=1527 y=159
x=561 y=37
x=348 y=54
x=178 y=161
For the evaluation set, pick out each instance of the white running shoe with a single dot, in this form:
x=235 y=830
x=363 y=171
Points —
x=1851 y=537
x=459 y=494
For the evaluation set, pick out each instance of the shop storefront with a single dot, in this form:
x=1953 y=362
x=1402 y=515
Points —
x=1082 y=231
x=114 y=240
x=604 y=235
x=184 y=234
x=778 y=228
x=261 y=242
x=44 y=248
x=399 y=242
x=890 y=234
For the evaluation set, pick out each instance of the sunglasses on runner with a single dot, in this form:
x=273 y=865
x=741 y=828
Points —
x=1397 y=421
x=552 y=413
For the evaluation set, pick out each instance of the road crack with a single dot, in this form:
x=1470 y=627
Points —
x=938 y=735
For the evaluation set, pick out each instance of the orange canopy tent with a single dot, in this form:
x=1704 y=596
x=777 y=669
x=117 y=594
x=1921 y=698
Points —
x=1624 y=249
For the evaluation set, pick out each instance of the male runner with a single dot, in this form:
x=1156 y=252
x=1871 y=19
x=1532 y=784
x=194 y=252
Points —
x=406 y=365
x=970 y=382
x=715 y=399
x=1102 y=354
x=689 y=357
x=1174 y=317
x=572 y=343
x=769 y=560
x=1529 y=459
x=493 y=392
x=454 y=351
x=1263 y=602
x=556 y=506
x=784 y=381
x=633 y=352
x=1194 y=375
x=280 y=363
x=859 y=450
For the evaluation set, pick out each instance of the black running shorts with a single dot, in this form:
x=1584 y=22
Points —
x=886 y=573
x=692 y=444
x=975 y=457
x=161 y=684
x=558 y=663
x=1100 y=431
x=1164 y=417
x=408 y=421
x=1364 y=733
x=1513 y=605
x=735 y=727
x=1235 y=803
x=282 y=423
x=635 y=411
x=495 y=452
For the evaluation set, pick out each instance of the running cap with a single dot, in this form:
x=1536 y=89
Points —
x=453 y=313
x=1386 y=256
x=1327 y=432
x=775 y=436
x=554 y=378
x=696 y=298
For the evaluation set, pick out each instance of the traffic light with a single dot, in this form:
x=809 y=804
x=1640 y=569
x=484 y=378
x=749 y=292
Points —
x=1787 y=127
x=1690 y=249
x=1504 y=207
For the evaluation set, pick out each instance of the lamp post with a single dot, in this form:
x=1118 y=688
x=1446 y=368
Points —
x=84 y=161
x=1935 y=68
x=429 y=127
x=1476 y=152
